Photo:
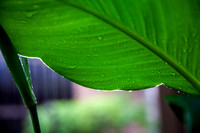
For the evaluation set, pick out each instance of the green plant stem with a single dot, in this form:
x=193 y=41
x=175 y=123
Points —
x=19 y=76
x=34 y=118
x=13 y=62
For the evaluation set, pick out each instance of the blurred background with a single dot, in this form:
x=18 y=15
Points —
x=65 y=107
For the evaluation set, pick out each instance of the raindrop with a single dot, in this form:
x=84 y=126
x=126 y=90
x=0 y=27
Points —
x=100 y=38
x=57 y=45
x=73 y=66
x=118 y=42
x=36 y=6
x=30 y=14
x=81 y=29
x=190 y=50
x=130 y=91
x=194 y=34
x=185 y=38
x=64 y=41
x=180 y=88
x=41 y=41
x=184 y=50
x=173 y=74
x=163 y=41
x=95 y=55
x=103 y=75
x=21 y=21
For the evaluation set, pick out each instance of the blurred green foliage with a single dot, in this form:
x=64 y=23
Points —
x=96 y=115
x=187 y=111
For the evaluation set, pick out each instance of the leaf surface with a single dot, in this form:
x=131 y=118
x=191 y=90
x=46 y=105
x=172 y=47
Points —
x=109 y=44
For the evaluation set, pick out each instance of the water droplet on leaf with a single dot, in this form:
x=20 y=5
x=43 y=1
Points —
x=36 y=6
x=185 y=38
x=194 y=34
x=125 y=45
x=173 y=74
x=30 y=14
x=184 y=50
x=100 y=38
x=190 y=50
x=163 y=41
x=180 y=88
x=73 y=66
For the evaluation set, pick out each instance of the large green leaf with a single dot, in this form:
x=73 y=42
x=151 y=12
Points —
x=110 y=44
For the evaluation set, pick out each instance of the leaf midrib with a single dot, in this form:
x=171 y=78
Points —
x=187 y=75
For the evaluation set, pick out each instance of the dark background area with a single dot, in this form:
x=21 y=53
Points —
x=47 y=85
